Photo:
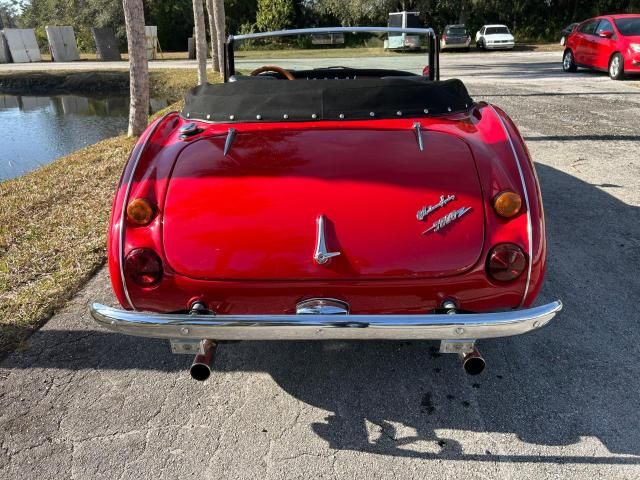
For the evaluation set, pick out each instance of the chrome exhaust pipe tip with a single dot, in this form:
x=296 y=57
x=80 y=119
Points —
x=472 y=362
x=201 y=367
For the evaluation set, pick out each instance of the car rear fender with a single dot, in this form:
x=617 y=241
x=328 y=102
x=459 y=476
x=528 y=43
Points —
x=520 y=158
x=139 y=179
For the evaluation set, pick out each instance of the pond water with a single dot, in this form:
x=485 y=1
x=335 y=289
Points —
x=36 y=130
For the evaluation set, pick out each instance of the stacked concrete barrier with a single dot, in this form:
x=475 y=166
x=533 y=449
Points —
x=106 y=44
x=62 y=43
x=23 y=45
x=5 y=56
x=151 y=34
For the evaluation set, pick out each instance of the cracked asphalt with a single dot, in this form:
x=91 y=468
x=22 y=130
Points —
x=81 y=402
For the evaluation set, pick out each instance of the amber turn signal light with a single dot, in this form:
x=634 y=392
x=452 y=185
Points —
x=139 y=211
x=507 y=204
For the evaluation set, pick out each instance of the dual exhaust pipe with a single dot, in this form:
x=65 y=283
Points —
x=472 y=362
x=471 y=359
x=201 y=367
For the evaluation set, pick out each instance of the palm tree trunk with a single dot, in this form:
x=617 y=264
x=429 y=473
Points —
x=219 y=18
x=215 y=62
x=138 y=67
x=200 y=41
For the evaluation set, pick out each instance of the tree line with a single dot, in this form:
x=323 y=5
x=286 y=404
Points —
x=535 y=20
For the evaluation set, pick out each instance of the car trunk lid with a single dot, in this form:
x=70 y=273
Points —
x=253 y=213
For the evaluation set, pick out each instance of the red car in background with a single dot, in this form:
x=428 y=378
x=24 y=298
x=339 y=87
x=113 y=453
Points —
x=608 y=43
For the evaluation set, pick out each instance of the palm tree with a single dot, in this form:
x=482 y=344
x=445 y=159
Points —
x=200 y=39
x=217 y=28
x=138 y=67
x=215 y=64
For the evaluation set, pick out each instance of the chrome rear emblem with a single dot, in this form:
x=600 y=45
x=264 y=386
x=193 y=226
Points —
x=322 y=306
x=321 y=256
x=446 y=220
x=425 y=211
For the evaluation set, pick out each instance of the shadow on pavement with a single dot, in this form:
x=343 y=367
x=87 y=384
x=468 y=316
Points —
x=571 y=380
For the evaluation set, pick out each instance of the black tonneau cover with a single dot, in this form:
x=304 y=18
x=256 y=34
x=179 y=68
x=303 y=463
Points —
x=307 y=100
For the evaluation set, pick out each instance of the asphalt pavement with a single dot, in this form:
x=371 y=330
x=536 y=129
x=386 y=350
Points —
x=563 y=402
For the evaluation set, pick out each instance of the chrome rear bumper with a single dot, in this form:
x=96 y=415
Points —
x=326 y=327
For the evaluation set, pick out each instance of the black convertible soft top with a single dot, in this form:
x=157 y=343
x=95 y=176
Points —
x=259 y=99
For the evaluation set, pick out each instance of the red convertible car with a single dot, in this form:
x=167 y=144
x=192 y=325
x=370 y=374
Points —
x=333 y=203
x=610 y=43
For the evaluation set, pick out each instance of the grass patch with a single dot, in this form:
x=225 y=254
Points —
x=169 y=83
x=53 y=224
x=52 y=237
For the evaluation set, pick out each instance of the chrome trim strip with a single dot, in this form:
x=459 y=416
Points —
x=307 y=31
x=526 y=201
x=326 y=327
x=124 y=204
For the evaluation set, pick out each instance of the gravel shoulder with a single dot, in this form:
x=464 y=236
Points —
x=81 y=402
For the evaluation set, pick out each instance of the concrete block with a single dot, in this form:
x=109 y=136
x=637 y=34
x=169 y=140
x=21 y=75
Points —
x=62 y=43
x=22 y=45
x=5 y=56
x=151 y=34
x=106 y=44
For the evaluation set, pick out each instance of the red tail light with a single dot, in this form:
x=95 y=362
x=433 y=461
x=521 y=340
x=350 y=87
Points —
x=506 y=262
x=143 y=267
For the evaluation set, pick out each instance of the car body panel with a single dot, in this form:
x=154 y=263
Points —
x=564 y=34
x=489 y=134
x=283 y=180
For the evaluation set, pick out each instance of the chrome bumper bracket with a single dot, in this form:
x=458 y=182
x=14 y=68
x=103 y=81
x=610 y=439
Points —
x=457 y=346
x=180 y=346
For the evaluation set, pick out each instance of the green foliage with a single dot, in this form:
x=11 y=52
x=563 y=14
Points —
x=174 y=19
x=9 y=12
x=529 y=19
x=274 y=14
x=241 y=15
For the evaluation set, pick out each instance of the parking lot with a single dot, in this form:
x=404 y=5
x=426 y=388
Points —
x=563 y=402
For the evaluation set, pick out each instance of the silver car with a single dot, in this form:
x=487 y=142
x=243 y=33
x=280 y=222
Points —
x=455 y=37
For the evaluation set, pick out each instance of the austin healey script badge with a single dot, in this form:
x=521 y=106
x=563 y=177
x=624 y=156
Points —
x=426 y=210
x=446 y=220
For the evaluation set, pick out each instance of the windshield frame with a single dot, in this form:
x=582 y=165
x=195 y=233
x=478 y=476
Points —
x=433 y=56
